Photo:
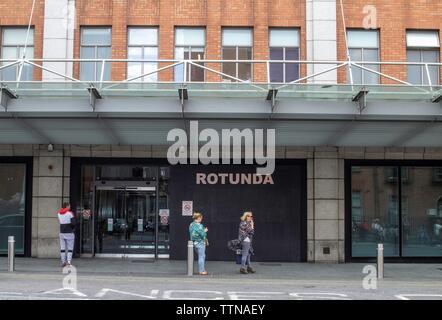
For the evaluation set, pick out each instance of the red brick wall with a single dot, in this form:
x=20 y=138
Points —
x=211 y=14
x=15 y=13
x=394 y=17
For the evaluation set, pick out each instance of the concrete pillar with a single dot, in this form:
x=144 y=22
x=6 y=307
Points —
x=58 y=37
x=321 y=38
x=325 y=206
x=50 y=189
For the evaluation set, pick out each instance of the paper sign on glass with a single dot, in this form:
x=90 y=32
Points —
x=164 y=212
x=110 y=224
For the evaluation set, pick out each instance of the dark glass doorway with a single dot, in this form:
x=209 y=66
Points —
x=123 y=209
x=126 y=221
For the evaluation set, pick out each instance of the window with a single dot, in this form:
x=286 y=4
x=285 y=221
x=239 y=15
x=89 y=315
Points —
x=237 y=45
x=403 y=215
x=419 y=198
x=190 y=44
x=142 y=45
x=423 y=46
x=13 y=45
x=284 y=45
x=12 y=205
x=95 y=44
x=374 y=212
x=363 y=45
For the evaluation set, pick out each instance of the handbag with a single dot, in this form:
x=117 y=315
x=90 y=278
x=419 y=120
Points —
x=234 y=244
x=207 y=242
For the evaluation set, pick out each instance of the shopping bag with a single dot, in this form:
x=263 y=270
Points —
x=238 y=256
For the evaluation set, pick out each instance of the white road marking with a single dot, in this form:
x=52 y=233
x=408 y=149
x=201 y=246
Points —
x=406 y=296
x=70 y=291
x=250 y=295
x=168 y=294
x=104 y=291
x=71 y=294
x=320 y=295
x=11 y=293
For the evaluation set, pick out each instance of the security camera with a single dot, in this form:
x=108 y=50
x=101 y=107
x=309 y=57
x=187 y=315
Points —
x=50 y=147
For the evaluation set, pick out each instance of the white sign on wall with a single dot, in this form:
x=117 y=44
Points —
x=187 y=208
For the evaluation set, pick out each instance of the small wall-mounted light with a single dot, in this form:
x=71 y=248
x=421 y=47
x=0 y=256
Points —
x=50 y=147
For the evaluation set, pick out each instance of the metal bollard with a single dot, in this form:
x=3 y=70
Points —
x=11 y=253
x=380 y=260
x=190 y=258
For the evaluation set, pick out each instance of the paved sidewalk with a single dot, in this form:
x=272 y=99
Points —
x=167 y=279
x=222 y=269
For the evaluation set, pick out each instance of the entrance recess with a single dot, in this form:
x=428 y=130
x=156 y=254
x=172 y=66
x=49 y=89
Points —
x=126 y=220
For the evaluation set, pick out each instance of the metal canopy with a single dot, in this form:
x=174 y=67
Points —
x=303 y=112
x=264 y=91
x=154 y=131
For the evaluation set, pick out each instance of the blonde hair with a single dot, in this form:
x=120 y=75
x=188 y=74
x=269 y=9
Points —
x=196 y=215
x=245 y=215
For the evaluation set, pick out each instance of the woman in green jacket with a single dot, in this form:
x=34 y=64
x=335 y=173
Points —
x=198 y=234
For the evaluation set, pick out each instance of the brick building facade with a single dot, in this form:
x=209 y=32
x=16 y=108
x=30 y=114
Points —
x=329 y=145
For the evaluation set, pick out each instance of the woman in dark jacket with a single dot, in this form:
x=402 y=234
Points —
x=246 y=231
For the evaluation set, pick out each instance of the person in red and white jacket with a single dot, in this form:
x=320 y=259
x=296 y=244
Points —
x=67 y=233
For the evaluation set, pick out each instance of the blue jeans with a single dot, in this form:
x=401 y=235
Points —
x=201 y=251
x=246 y=253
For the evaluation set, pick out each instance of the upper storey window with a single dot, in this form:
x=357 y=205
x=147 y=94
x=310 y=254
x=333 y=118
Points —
x=423 y=46
x=13 y=46
x=95 y=44
x=363 y=45
x=284 y=45
x=190 y=44
x=237 y=44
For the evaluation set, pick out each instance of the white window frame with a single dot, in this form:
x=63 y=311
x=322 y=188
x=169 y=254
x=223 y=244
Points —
x=18 y=46
x=189 y=47
x=95 y=46
x=228 y=79
x=297 y=46
x=363 y=48
x=153 y=77
x=420 y=47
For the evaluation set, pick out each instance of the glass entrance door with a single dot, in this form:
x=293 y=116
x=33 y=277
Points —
x=125 y=221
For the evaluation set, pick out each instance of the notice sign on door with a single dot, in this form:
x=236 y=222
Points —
x=110 y=225
x=164 y=216
x=140 y=225
x=187 y=208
